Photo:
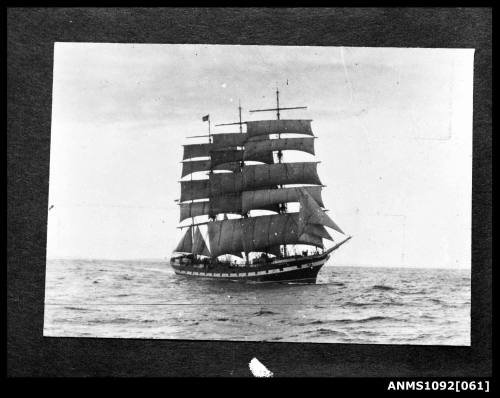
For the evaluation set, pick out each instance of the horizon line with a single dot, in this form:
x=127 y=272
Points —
x=166 y=259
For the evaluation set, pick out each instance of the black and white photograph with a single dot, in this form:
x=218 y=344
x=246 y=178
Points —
x=260 y=193
x=251 y=192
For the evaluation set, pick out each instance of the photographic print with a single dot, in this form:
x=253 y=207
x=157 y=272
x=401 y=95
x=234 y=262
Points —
x=260 y=193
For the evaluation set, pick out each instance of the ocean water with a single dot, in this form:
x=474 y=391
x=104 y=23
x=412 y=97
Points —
x=141 y=299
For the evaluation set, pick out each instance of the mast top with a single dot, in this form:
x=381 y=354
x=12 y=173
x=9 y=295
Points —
x=240 y=123
x=278 y=108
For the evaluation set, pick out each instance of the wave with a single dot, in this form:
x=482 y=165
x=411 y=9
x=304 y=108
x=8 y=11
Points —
x=348 y=320
x=353 y=304
x=115 y=320
x=382 y=287
x=317 y=322
x=369 y=333
x=264 y=312
x=76 y=308
x=326 y=332
x=373 y=304
x=369 y=319
x=413 y=293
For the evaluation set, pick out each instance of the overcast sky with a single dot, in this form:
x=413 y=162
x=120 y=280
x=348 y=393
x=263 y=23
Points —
x=394 y=128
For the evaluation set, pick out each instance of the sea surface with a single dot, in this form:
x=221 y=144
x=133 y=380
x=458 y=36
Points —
x=145 y=299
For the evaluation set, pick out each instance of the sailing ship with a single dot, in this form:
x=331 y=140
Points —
x=250 y=246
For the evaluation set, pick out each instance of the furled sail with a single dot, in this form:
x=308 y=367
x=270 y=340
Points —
x=199 y=245
x=195 y=189
x=194 y=209
x=261 y=127
x=186 y=243
x=298 y=144
x=258 y=234
x=196 y=150
x=258 y=199
x=264 y=176
x=312 y=213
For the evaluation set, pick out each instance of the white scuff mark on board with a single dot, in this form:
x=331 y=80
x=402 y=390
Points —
x=258 y=369
x=346 y=74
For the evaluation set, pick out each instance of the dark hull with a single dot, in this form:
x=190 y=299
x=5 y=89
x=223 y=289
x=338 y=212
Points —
x=300 y=269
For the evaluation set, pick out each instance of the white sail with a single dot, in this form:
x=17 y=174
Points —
x=254 y=177
x=186 y=243
x=266 y=127
x=195 y=189
x=199 y=245
x=258 y=234
x=196 y=151
x=312 y=213
x=259 y=199
x=264 y=146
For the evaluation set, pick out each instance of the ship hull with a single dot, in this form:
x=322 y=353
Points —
x=303 y=269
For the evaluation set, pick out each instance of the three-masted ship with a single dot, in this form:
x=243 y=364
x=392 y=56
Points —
x=283 y=246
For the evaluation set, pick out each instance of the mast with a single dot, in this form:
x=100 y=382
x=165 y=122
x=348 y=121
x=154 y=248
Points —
x=211 y=168
x=240 y=122
x=242 y=162
x=239 y=110
x=282 y=206
x=192 y=217
x=204 y=118
x=209 y=136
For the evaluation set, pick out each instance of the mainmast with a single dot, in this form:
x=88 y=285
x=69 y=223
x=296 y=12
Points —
x=282 y=206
